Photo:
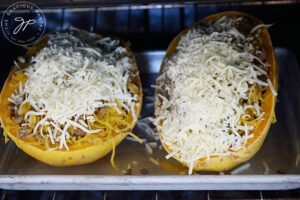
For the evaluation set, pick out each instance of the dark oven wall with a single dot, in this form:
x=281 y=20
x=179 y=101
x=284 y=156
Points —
x=152 y=26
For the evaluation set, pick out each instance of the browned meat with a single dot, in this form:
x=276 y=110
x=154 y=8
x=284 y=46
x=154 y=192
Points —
x=79 y=133
x=103 y=111
x=23 y=132
x=18 y=119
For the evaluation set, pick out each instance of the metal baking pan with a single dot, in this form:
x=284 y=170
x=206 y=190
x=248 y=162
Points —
x=143 y=167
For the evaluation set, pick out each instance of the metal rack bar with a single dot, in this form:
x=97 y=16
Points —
x=54 y=195
x=3 y=195
x=71 y=4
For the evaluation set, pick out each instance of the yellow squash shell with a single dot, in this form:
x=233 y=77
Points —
x=77 y=155
x=223 y=163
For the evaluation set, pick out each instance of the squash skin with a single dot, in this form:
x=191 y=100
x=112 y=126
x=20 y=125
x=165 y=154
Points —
x=224 y=163
x=84 y=154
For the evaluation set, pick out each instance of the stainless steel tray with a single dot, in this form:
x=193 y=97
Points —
x=276 y=166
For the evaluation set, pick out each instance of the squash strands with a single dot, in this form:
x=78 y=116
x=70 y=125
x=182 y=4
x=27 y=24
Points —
x=72 y=98
x=216 y=92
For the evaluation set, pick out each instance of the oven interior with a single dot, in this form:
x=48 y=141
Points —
x=150 y=27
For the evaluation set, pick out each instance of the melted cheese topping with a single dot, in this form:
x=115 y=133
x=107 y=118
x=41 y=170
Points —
x=203 y=93
x=72 y=77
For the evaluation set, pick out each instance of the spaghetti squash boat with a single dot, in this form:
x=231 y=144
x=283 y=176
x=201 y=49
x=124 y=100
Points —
x=72 y=98
x=216 y=92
